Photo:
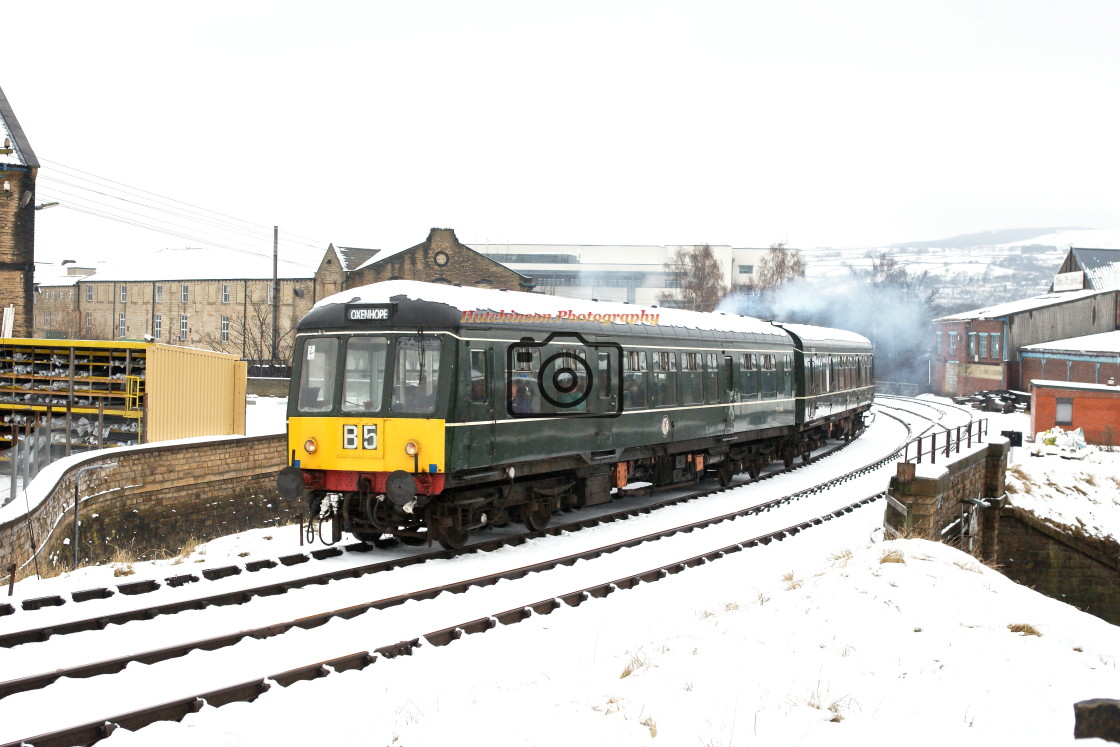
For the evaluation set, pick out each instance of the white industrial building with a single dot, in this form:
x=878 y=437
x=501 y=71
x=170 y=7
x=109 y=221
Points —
x=629 y=273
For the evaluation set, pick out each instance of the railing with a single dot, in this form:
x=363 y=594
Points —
x=946 y=442
x=897 y=388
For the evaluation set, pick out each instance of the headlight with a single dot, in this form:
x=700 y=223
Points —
x=310 y=446
x=411 y=448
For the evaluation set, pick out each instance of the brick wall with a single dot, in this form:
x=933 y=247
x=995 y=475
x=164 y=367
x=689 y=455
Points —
x=156 y=499
x=17 y=247
x=1095 y=411
x=264 y=387
x=1060 y=565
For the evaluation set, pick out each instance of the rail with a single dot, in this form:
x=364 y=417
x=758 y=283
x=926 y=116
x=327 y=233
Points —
x=950 y=441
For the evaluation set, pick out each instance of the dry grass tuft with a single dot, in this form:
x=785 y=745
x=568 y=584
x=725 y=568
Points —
x=893 y=556
x=636 y=662
x=123 y=558
x=967 y=566
x=651 y=725
x=841 y=558
x=1025 y=629
x=791 y=582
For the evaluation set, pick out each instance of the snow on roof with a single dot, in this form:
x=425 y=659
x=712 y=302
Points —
x=826 y=334
x=1101 y=267
x=10 y=130
x=353 y=257
x=187 y=264
x=1104 y=342
x=1025 y=304
x=557 y=307
x=1053 y=384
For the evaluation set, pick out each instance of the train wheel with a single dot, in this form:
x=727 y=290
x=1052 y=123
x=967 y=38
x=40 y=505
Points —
x=454 y=538
x=536 y=517
x=724 y=473
x=787 y=457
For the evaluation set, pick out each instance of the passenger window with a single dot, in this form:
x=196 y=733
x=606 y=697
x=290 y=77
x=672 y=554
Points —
x=711 y=377
x=692 y=379
x=365 y=374
x=664 y=379
x=606 y=389
x=634 y=379
x=768 y=377
x=316 y=377
x=479 y=377
x=787 y=375
x=416 y=375
x=748 y=376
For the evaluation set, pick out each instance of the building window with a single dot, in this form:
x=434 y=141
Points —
x=270 y=294
x=46 y=318
x=225 y=294
x=971 y=344
x=89 y=292
x=185 y=293
x=157 y=326
x=1063 y=413
x=124 y=294
x=937 y=342
x=89 y=323
x=952 y=344
x=120 y=325
x=183 y=323
x=993 y=340
x=983 y=344
x=746 y=269
x=225 y=329
x=159 y=294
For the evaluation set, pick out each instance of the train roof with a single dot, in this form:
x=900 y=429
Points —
x=434 y=304
x=827 y=337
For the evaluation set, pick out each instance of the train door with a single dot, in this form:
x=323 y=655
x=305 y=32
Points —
x=483 y=397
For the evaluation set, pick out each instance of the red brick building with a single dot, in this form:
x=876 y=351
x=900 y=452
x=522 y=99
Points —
x=1092 y=359
x=980 y=349
x=1095 y=408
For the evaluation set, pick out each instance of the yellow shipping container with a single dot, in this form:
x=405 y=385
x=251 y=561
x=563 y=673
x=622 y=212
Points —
x=99 y=393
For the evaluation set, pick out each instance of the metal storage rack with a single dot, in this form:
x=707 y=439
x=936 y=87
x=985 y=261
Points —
x=95 y=394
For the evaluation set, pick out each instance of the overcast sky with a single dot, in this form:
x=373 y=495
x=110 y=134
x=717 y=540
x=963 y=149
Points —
x=743 y=123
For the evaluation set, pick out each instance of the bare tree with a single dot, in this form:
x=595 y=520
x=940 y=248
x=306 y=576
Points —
x=250 y=336
x=779 y=266
x=698 y=278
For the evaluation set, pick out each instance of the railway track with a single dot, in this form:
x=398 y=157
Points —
x=250 y=689
x=288 y=583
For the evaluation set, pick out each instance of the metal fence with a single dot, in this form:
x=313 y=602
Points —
x=945 y=443
x=897 y=388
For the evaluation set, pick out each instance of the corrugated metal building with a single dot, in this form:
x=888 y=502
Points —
x=980 y=349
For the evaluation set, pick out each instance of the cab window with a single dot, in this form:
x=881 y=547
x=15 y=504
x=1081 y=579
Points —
x=365 y=374
x=316 y=376
x=416 y=375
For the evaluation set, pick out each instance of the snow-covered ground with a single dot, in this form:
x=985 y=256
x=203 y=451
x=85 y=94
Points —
x=826 y=638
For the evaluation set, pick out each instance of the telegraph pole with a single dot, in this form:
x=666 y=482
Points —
x=275 y=292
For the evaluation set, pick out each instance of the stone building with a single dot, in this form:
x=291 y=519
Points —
x=18 y=169
x=226 y=301
x=441 y=258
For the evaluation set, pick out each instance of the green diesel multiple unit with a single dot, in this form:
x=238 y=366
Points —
x=426 y=411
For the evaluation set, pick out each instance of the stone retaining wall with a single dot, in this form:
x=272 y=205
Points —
x=156 y=499
x=1059 y=565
